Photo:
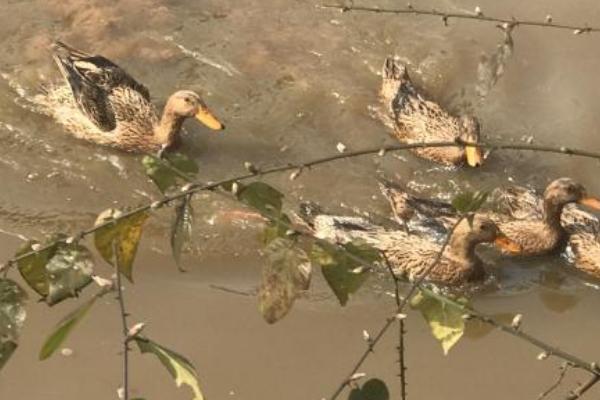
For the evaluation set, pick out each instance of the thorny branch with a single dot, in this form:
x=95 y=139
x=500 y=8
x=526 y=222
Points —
x=413 y=288
x=193 y=188
x=124 y=326
x=581 y=390
x=197 y=187
x=477 y=15
x=401 y=330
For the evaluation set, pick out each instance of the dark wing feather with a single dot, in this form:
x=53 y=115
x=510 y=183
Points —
x=92 y=78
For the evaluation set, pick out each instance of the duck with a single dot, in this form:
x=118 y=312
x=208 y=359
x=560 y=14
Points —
x=100 y=102
x=541 y=225
x=582 y=227
x=415 y=119
x=410 y=256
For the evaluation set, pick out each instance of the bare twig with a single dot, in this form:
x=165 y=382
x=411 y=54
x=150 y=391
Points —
x=563 y=372
x=477 y=16
x=582 y=389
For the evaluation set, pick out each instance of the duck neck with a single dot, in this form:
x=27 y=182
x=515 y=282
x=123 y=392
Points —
x=168 y=128
x=552 y=213
x=461 y=247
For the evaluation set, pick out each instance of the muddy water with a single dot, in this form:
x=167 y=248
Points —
x=290 y=81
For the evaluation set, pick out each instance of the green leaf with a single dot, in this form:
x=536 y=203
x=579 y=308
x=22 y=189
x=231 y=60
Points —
x=276 y=228
x=178 y=366
x=69 y=271
x=445 y=318
x=343 y=270
x=124 y=234
x=181 y=230
x=373 y=389
x=7 y=348
x=467 y=202
x=33 y=268
x=286 y=275
x=64 y=328
x=261 y=197
x=164 y=172
x=58 y=272
x=12 y=316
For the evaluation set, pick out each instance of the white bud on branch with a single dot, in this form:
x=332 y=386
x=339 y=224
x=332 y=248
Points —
x=357 y=376
x=250 y=167
x=366 y=336
x=516 y=322
x=135 y=330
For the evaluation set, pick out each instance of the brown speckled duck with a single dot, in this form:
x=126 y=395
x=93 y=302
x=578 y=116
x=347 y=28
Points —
x=102 y=103
x=411 y=255
x=416 y=120
x=538 y=225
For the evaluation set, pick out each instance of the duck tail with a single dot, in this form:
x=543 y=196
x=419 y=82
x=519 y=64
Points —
x=395 y=70
x=64 y=50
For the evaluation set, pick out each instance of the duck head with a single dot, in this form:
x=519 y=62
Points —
x=470 y=233
x=469 y=133
x=563 y=191
x=188 y=104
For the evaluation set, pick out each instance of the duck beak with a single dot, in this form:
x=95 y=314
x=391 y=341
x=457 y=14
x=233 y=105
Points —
x=474 y=156
x=505 y=243
x=207 y=118
x=591 y=202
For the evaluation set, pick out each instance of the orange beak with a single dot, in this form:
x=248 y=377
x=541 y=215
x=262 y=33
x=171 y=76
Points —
x=207 y=118
x=591 y=202
x=505 y=243
x=474 y=156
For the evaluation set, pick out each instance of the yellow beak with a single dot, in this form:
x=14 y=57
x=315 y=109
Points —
x=506 y=244
x=474 y=156
x=591 y=202
x=207 y=118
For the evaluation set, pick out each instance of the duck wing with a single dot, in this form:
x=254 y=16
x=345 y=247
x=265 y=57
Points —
x=92 y=79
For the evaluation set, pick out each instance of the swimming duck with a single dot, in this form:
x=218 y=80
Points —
x=416 y=120
x=411 y=255
x=102 y=103
x=539 y=229
x=582 y=227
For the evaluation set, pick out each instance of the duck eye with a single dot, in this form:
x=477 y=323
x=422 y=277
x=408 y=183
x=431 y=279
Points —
x=187 y=100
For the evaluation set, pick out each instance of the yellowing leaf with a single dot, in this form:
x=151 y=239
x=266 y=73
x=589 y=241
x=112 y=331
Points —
x=286 y=275
x=33 y=267
x=58 y=272
x=178 y=366
x=64 y=328
x=445 y=319
x=124 y=234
